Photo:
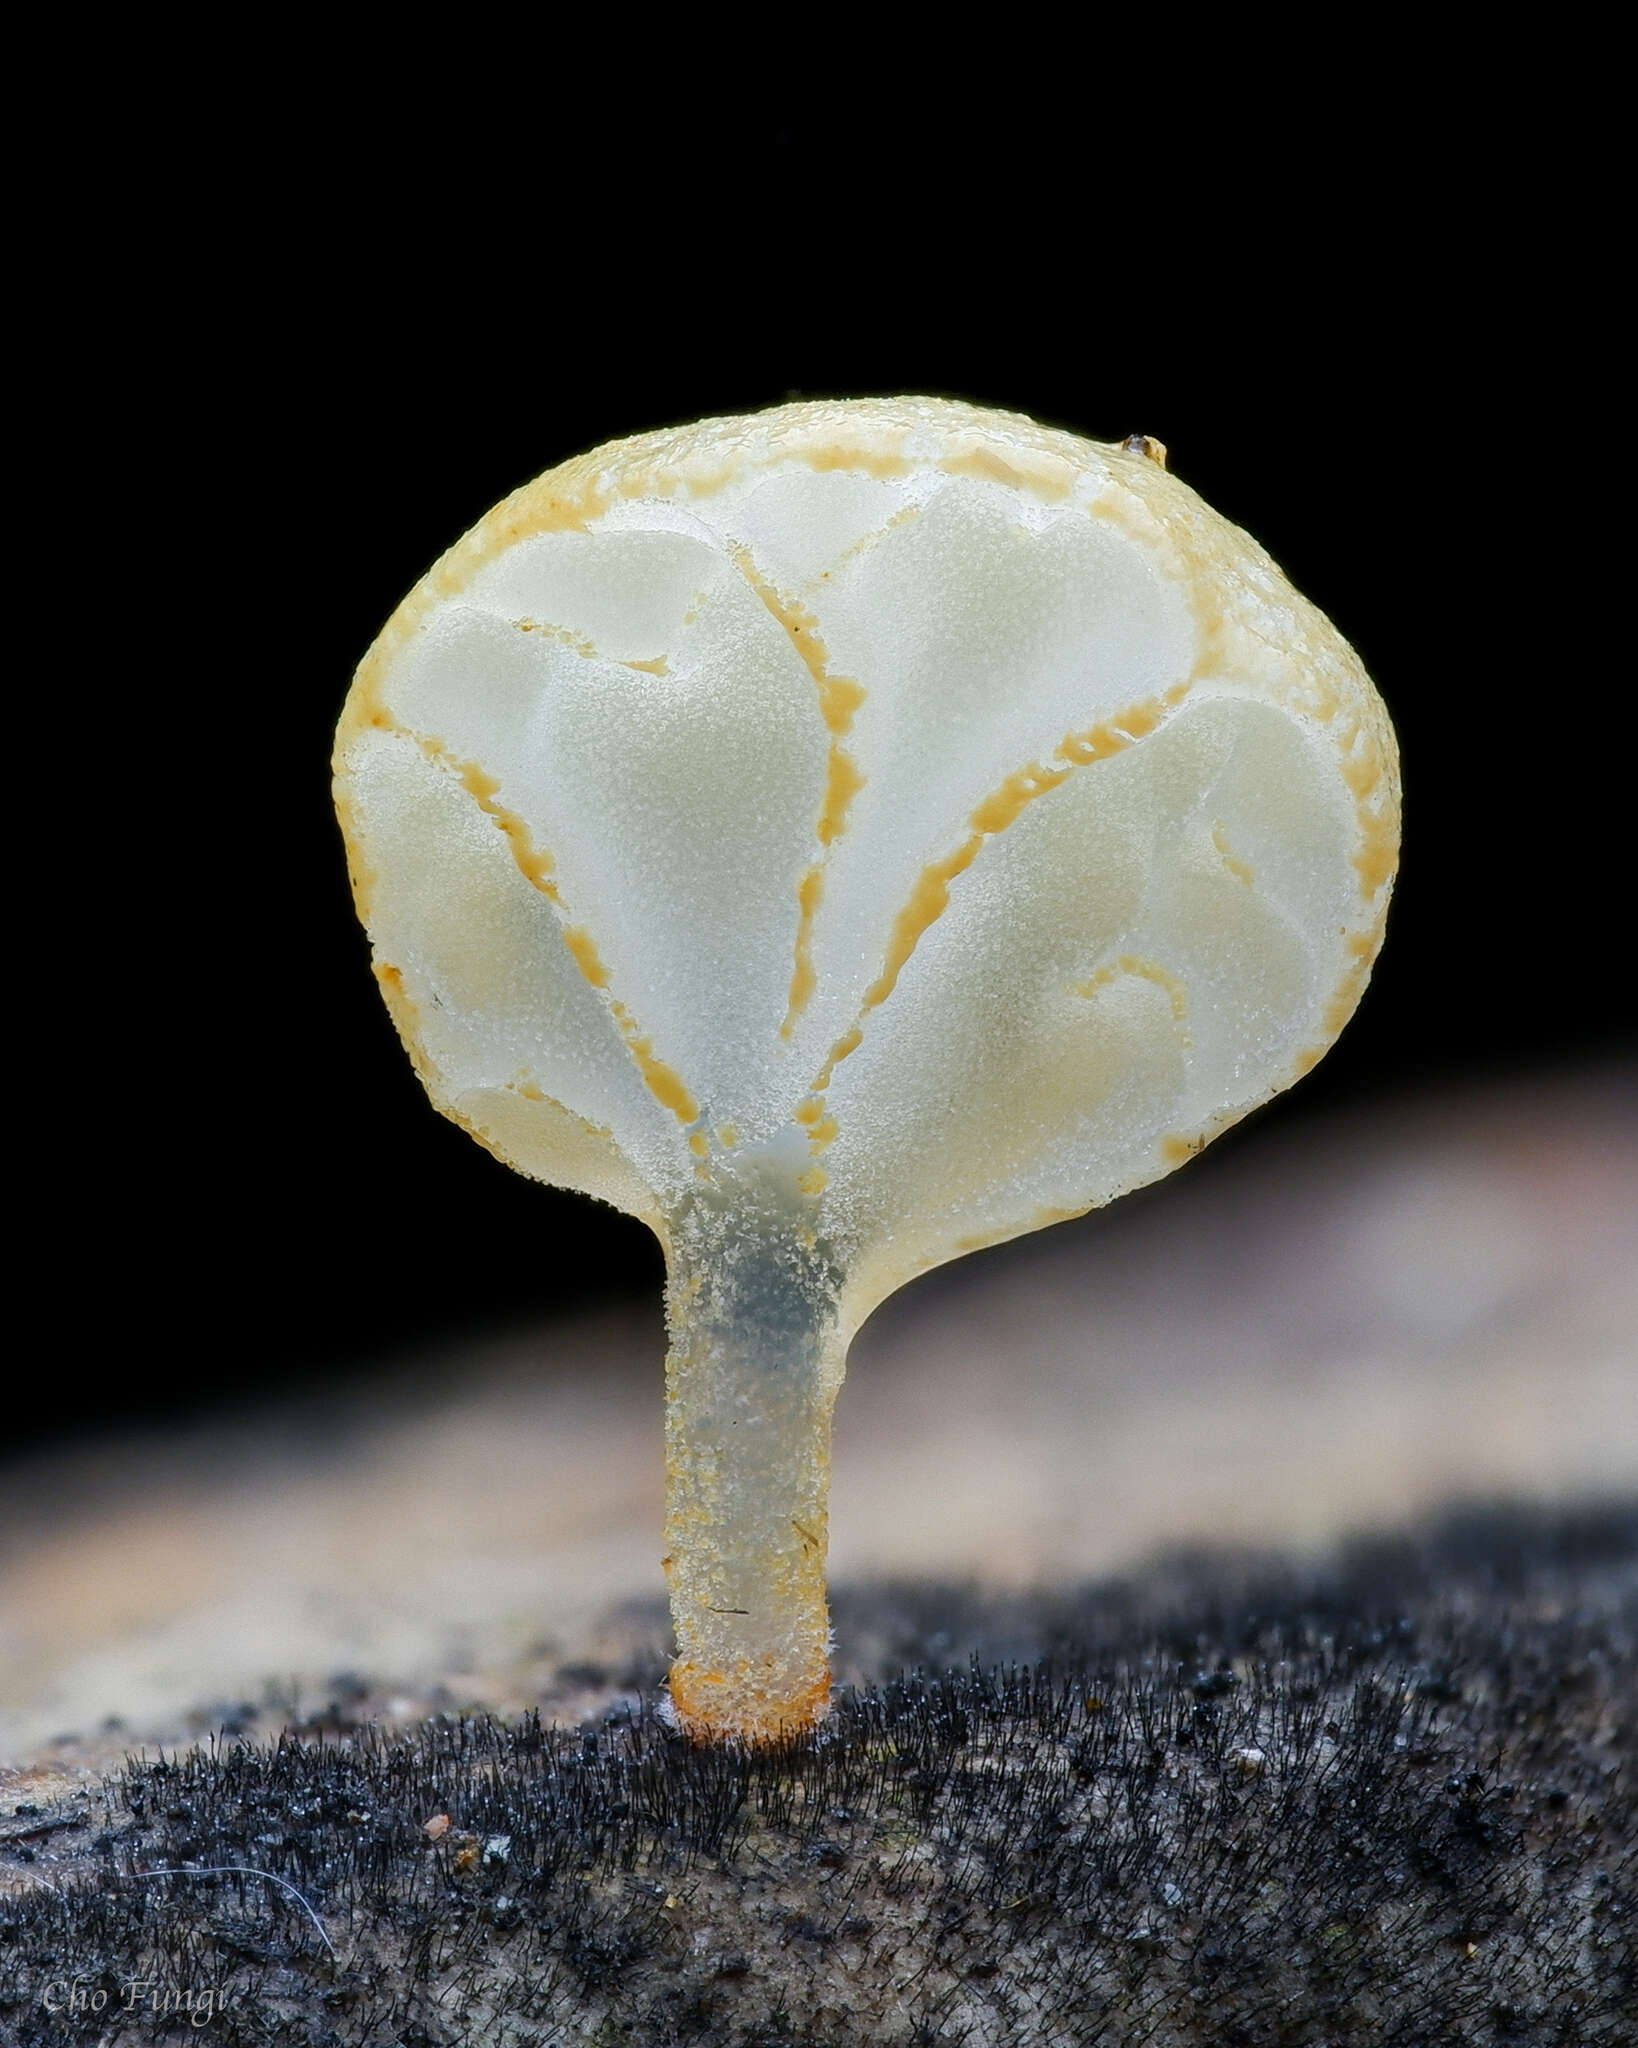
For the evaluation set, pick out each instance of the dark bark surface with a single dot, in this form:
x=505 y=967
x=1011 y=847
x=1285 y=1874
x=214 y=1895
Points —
x=1385 y=1797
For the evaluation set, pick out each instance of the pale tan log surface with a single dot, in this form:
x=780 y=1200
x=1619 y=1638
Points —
x=1332 y=1326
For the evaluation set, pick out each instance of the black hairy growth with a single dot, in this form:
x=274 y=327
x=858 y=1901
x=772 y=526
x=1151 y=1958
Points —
x=1386 y=1799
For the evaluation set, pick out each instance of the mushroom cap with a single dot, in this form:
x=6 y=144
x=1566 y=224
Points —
x=949 y=814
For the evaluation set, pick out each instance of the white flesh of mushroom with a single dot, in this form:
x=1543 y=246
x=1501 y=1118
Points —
x=845 y=837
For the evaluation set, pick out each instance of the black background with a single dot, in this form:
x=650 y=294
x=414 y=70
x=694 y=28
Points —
x=1373 y=349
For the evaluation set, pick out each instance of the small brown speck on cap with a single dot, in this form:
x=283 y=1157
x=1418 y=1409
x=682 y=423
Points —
x=1146 y=444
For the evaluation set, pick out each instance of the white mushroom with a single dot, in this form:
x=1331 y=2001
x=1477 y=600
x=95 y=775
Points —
x=844 y=837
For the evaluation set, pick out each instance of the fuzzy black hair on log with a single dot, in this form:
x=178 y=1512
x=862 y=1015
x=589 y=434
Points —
x=1390 y=1799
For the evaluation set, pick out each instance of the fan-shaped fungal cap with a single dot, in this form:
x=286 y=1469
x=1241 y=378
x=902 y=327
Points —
x=961 y=796
x=891 y=823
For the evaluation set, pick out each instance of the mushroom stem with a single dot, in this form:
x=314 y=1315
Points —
x=756 y=1357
